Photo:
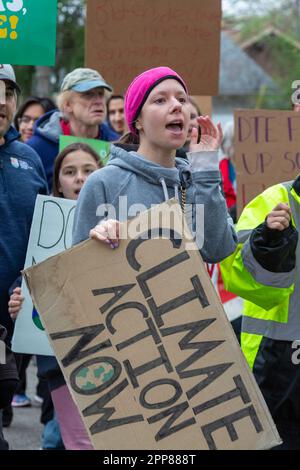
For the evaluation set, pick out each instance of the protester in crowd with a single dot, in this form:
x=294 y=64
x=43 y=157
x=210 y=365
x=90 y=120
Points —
x=115 y=114
x=72 y=167
x=82 y=112
x=264 y=271
x=129 y=141
x=25 y=118
x=22 y=179
x=156 y=108
x=195 y=112
x=29 y=112
x=227 y=169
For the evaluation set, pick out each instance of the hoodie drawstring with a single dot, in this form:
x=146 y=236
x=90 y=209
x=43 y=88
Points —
x=176 y=192
x=165 y=189
x=164 y=186
x=183 y=193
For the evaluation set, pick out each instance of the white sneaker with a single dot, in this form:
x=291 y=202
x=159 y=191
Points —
x=39 y=400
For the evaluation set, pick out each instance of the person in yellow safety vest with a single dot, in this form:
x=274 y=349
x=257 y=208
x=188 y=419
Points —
x=265 y=270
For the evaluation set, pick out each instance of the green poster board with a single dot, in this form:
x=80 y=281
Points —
x=28 y=32
x=100 y=146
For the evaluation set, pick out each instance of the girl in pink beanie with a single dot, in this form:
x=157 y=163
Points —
x=157 y=111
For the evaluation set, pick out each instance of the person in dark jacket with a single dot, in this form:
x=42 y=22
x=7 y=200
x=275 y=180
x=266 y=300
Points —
x=22 y=177
x=82 y=111
x=264 y=270
x=25 y=118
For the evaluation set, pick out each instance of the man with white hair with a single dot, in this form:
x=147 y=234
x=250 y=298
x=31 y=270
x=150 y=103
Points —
x=82 y=112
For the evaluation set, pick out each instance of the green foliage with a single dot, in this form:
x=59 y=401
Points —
x=25 y=76
x=255 y=16
x=69 y=50
x=70 y=35
x=253 y=26
x=286 y=60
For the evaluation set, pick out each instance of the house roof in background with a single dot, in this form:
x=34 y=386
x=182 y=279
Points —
x=239 y=74
x=270 y=31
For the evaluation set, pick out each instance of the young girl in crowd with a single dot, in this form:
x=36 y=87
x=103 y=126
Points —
x=157 y=110
x=72 y=167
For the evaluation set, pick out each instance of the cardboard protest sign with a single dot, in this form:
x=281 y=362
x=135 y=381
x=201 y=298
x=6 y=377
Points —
x=182 y=35
x=100 y=146
x=28 y=32
x=267 y=152
x=51 y=233
x=144 y=343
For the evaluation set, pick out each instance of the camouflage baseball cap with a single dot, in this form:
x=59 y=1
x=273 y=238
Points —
x=82 y=80
x=7 y=73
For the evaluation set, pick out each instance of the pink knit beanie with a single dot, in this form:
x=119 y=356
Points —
x=140 y=88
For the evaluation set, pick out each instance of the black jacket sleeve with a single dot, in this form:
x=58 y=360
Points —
x=274 y=250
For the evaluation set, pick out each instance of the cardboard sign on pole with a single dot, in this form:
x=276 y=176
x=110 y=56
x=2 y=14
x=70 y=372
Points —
x=50 y=233
x=28 y=32
x=145 y=346
x=127 y=37
x=267 y=152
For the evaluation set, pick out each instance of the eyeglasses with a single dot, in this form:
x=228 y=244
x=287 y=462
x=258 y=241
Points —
x=27 y=120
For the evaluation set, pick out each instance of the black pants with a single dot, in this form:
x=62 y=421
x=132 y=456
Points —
x=279 y=381
x=3 y=442
x=22 y=361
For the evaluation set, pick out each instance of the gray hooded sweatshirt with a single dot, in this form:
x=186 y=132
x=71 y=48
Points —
x=130 y=183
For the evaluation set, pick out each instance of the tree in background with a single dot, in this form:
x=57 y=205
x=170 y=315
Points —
x=252 y=15
x=250 y=18
x=43 y=81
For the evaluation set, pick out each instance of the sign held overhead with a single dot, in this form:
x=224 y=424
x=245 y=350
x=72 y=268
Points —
x=266 y=150
x=127 y=37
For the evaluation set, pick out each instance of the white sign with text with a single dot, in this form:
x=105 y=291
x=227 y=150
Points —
x=51 y=233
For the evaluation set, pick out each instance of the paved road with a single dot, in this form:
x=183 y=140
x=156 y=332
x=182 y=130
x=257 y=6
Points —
x=25 y=431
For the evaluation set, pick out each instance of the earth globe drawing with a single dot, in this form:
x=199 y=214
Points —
x=36 y=320
x=93 y=376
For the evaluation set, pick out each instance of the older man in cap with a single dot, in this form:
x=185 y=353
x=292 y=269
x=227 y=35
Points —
x=22 y=177
x=82 y=108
